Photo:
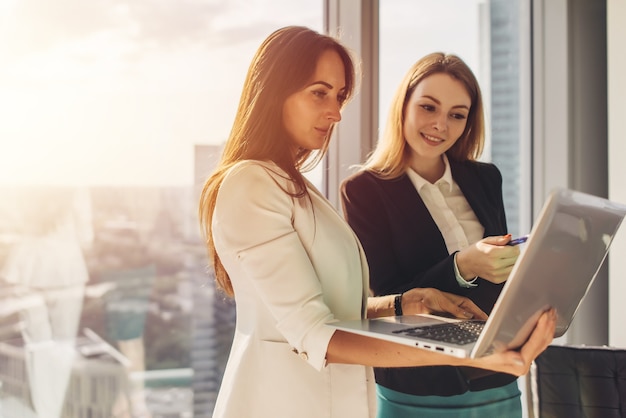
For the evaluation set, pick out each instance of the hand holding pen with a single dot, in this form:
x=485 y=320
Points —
x=492 y=258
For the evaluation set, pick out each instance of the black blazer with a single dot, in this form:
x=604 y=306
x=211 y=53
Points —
x=405 y=249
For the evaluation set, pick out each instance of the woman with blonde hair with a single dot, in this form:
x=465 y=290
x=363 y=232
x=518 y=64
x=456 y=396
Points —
x=429 y=215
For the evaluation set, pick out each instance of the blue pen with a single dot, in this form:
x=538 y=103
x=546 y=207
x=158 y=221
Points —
x=518 y=241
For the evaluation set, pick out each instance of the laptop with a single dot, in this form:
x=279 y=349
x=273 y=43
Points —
x=557 y=265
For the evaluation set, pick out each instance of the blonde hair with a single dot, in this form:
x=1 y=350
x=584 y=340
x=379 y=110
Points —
x=390 y=158
x=282 y=65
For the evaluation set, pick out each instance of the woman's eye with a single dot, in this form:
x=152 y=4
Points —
x=319 y=93
x=459 y=116
x=428 y=108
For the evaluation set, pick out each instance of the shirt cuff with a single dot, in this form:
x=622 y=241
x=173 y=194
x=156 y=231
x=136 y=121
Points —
x=460 y=280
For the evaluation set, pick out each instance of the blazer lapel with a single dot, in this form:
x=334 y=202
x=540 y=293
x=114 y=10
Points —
x=415 y=215
x=473 y=189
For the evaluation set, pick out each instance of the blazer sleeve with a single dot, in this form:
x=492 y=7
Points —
x=255 y=238
x=392 y=256
x=481 y=184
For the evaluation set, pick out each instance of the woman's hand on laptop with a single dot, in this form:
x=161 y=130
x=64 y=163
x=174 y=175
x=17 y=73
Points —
x=434 y=301
x=518 y=362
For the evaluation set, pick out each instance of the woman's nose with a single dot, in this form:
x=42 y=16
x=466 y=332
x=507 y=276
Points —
x=440 y=122
x=334 y=112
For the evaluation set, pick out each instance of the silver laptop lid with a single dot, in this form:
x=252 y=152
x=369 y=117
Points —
x=566 y=249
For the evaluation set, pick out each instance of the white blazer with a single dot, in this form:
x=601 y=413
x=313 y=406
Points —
x=295 y=266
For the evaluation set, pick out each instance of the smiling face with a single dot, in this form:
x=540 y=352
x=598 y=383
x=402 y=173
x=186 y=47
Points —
x=435 y=118
x=310 y=113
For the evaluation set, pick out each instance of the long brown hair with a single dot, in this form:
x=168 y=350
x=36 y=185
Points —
x=390 y=158
x=282 y=65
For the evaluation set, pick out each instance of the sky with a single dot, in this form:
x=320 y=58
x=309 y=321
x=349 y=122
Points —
x=118 y=92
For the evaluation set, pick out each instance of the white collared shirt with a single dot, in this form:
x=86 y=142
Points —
x=451 y=212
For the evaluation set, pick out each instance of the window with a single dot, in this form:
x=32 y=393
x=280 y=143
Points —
x=493 y=38
x=112 y=115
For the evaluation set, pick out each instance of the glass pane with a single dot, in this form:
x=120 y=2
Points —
x=113 y=113
x=491 y=37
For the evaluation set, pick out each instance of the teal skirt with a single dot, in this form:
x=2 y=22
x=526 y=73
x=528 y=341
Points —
x=497 y=402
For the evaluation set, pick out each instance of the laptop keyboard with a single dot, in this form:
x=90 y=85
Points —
x=460 y=333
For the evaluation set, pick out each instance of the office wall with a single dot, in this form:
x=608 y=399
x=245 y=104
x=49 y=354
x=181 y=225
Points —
x=569 y=125
x=616 y=33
